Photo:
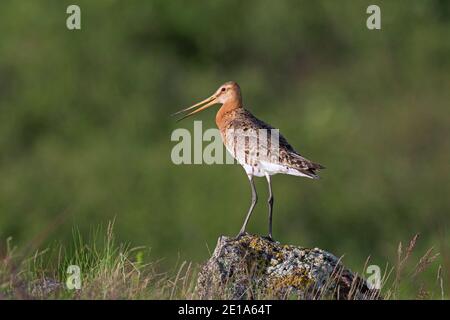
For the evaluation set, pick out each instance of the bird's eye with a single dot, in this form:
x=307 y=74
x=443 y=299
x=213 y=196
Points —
x=223 y=89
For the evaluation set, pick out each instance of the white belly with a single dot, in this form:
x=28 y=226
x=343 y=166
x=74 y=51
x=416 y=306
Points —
x=256 y=165
x=253 y=170
x=262 y=169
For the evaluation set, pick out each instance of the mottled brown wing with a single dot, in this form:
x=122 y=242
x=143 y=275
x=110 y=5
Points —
x=285 y=154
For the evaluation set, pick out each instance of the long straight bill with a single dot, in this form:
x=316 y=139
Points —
x=209 y=102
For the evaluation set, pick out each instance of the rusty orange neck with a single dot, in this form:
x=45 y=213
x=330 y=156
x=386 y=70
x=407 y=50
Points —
x=222 y=116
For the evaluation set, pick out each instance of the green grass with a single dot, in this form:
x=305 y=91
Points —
x=109 y=270
x=113 y=270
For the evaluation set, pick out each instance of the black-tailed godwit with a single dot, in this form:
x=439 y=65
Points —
x=257 y=146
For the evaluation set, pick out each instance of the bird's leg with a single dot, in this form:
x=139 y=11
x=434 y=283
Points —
x=252 y=206
x=270 y=201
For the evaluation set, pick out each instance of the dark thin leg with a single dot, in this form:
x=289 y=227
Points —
x=270 y=201
x=252 y=206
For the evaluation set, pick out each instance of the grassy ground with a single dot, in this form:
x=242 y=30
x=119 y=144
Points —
x=111 y=270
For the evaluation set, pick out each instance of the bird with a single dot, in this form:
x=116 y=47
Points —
x=257 y=146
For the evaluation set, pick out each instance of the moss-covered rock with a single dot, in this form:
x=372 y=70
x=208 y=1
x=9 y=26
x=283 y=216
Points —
x=253 y=267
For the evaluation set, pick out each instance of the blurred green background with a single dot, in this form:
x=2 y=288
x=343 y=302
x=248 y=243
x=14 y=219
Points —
x=85 y=126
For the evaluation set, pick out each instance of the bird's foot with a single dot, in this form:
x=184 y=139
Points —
x=269 y=238
x=240 y=235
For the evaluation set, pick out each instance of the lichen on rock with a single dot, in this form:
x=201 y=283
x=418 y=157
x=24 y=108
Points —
x=253 y=267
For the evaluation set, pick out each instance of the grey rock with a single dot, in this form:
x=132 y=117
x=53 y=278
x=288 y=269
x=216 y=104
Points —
x=253 y=267
x=45 y=287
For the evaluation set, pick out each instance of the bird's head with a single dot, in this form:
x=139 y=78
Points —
x=229 y=92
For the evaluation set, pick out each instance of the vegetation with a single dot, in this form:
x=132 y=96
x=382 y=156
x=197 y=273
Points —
x=117 y=271
x=85 y=131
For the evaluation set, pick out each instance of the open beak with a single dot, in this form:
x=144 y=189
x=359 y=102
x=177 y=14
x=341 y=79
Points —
x=202 y=106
